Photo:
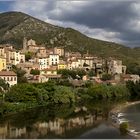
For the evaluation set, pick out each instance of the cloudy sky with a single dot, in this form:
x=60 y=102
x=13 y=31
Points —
x=116 y=21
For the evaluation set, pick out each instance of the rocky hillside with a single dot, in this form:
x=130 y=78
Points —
x=15 y=25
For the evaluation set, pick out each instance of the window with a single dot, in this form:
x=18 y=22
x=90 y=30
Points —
x=11 y=78
x=7 y=78
x=15 y=78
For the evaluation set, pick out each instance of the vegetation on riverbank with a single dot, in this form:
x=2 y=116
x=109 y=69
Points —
x=124 y=128
x=134 y=89
x=23 y=96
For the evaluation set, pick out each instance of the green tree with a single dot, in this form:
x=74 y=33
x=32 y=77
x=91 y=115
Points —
x=3 y=85
x=28 y=55
x=63 y=95
x=80 y=73
x=91 y=73
x=22 y=93
x=68 y=73
x=34 y=72
x=134 y=89
x=20 y=74
x=106 y=77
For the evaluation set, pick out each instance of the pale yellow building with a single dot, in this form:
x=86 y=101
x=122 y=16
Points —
x=2 y=63
x=62 y=66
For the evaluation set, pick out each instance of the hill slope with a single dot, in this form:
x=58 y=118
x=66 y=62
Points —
x=15 y=25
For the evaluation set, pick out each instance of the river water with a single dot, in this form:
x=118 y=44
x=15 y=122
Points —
x=57 y=122
x=131 y=114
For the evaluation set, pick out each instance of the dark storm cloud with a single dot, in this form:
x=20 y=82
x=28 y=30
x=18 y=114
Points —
x=110 y=15
x=116 y=20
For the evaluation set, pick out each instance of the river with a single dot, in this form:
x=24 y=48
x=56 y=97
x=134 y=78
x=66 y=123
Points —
x=58 y=122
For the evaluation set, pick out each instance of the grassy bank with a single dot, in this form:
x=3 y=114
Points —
x=24 y=96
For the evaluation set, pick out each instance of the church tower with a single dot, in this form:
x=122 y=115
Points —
x=24 y=44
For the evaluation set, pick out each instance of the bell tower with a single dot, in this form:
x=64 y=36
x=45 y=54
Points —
x=25 y=43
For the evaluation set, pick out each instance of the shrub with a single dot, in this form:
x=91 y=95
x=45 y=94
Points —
x=124 y=128
x=34 y=72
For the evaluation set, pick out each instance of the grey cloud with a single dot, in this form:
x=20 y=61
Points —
x=108 y=15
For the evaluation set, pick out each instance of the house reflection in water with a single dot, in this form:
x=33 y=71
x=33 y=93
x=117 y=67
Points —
x=7 y=131
x=57 y=127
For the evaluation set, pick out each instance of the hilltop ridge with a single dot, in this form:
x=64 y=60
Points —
x=17 y=25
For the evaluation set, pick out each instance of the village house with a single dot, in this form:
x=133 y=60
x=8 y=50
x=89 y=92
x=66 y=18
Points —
x=9 y=77
x=2 y=52
x=43 y=62
x=85 y=62
x=130 y=77
x=53 y=59
x=28 y=66
x=116 y=67
x=59 y=51
x=49 y=71
x=74 y=64
x=62 y=65
x=15 y=57
x=42 y=52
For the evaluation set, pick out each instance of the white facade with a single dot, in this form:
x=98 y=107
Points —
x=15 y=57
x=43 y=63
x=87 y=61
x=53 y=59
x=9 y=76
x=73 y=65
x=22 y=58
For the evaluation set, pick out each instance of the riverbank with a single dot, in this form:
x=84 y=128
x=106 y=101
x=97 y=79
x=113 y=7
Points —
x=116 y=112
x=122 y=106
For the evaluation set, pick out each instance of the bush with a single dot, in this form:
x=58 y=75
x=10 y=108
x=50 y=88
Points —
x=34 y=72
x=106 y=77
x=63 y=95
x=124 y=128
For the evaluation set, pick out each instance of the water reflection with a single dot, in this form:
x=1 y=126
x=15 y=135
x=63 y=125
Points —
x=54 y=121
x=132 y=114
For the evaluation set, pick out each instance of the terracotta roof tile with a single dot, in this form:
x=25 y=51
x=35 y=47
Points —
x=7 y=73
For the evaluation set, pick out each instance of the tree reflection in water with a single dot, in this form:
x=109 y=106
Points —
x=55 y=121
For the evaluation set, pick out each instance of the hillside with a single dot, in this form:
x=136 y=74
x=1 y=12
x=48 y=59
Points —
x=15 y=25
